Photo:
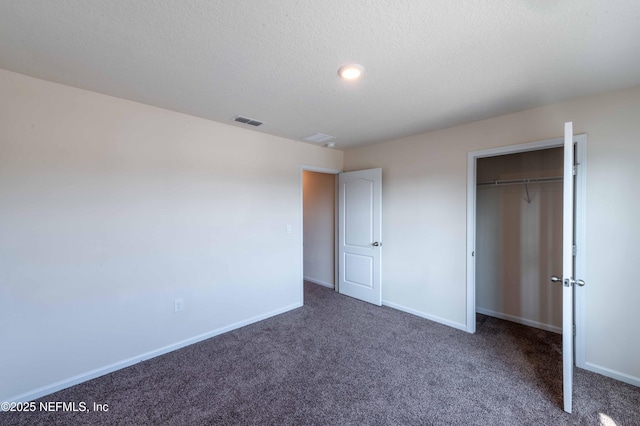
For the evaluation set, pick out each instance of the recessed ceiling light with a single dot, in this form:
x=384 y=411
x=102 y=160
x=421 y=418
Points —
x=351 y=71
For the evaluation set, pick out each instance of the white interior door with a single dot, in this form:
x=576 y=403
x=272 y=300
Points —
x=360 y=233
x=568 y=267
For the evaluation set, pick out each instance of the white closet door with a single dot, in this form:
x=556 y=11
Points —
x=568 y=267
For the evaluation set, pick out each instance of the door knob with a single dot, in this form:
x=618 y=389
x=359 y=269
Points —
x=567 y=282
x=376 y=244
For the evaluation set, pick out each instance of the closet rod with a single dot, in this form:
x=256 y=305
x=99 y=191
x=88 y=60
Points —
x=521 y=181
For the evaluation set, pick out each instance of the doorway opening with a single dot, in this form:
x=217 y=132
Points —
x=319 y=226
x=357 y=231
x=514 y=239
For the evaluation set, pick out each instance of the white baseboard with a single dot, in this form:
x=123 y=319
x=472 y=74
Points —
x=434 y=318
x=519 y=320
x=72 y=381
x=319 y=282
x=632 y=380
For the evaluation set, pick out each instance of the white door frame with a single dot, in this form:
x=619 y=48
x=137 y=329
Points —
x=581 y=141
x=303 y=168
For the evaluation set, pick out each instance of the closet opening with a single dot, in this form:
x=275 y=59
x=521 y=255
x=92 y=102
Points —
x=519 y=237
x=514 y=235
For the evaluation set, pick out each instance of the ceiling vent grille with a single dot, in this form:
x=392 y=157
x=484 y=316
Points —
x=247 y=120
x=319 y=137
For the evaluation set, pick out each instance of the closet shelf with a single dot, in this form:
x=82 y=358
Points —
x=521 y=181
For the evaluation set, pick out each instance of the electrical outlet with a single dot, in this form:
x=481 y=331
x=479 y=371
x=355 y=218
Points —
x=178 y=305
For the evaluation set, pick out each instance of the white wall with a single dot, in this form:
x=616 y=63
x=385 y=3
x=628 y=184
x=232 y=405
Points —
x=519 y=239
x=109 y=210
x=319 y=211
x=424 y=192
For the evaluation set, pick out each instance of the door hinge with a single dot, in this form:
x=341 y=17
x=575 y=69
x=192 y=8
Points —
x=574 y=329
x=574 y=250
x=575 y=169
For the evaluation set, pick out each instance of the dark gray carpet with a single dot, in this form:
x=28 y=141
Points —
x=340 y=361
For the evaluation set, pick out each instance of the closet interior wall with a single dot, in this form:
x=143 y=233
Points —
x=519 y=238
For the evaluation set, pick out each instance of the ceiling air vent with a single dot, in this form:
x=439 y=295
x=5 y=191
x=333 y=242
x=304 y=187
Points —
x=319 y=137
x=247 y=120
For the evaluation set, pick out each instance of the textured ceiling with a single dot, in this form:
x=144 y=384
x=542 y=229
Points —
x=428 y=64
